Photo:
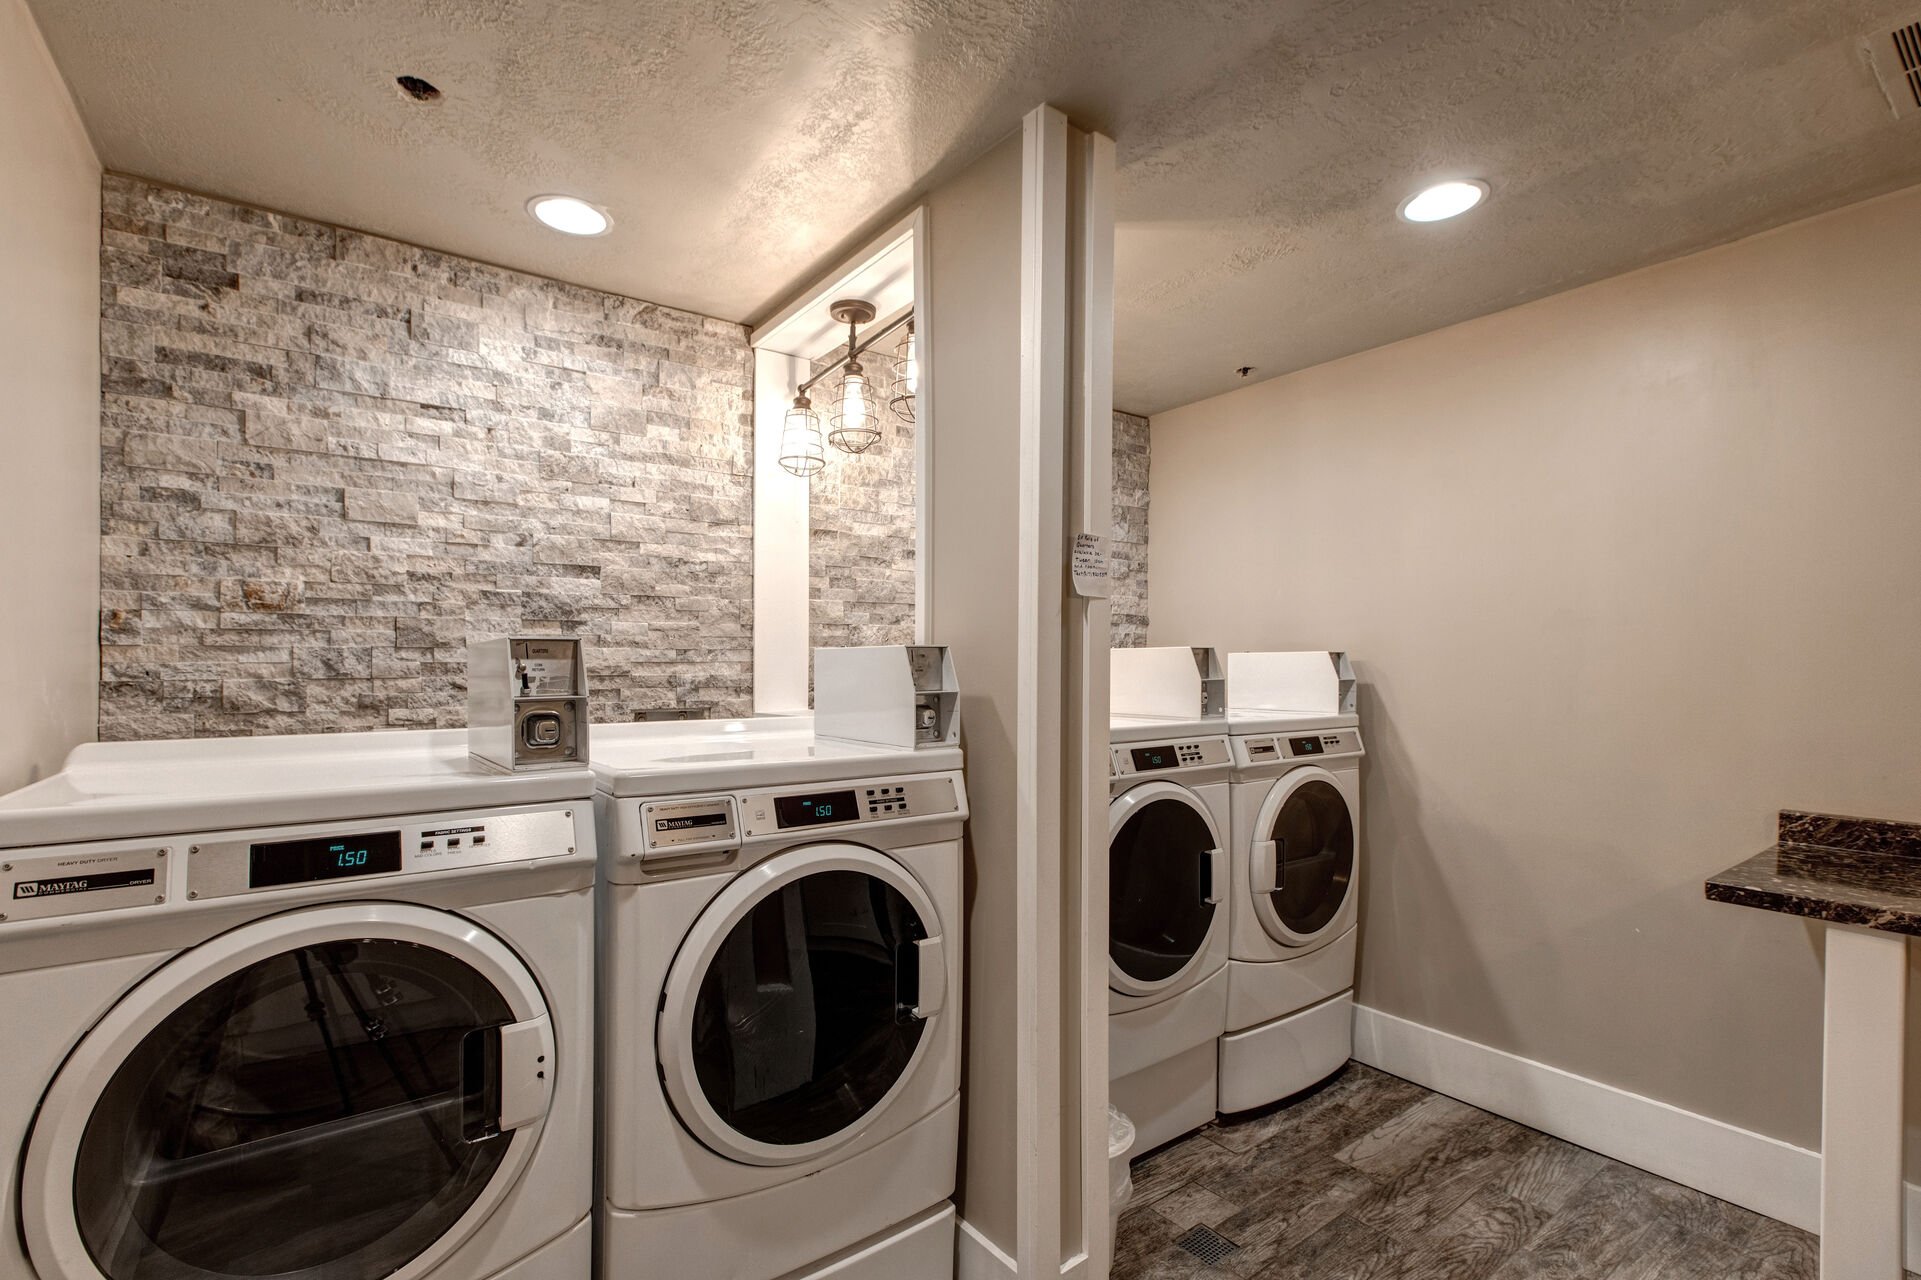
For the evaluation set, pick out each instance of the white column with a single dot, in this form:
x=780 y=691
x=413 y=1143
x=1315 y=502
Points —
x=1039 y=680
x=1090 y=510
x=782 y=649
x=1861 y=1093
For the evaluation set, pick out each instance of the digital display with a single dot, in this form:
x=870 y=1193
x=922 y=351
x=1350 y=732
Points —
x=1154 y=758
x=323 y=858
x=808 y=811
x=1304 y=746
x=691 y=821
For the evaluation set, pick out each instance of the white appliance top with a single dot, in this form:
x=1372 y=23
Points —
x=675 y=757
x=1246 y=720
x=130 y=790
x=1151 y=728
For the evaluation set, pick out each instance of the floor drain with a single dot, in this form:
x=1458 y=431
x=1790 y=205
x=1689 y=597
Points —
x=1207 y=1244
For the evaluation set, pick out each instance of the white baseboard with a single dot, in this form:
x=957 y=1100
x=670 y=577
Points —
x=1737 y=1165
x=978 y=1258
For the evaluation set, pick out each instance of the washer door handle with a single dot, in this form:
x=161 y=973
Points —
x=526 y=1072
x=1264 y=868
x=1216 y=877
x=932 y=995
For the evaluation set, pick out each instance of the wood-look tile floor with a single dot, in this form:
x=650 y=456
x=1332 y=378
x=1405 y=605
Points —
x=1372 y=1178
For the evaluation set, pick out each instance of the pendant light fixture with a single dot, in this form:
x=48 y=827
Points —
x=906 y=376
x=854 y=418
x=800 y=448
x=856 y=425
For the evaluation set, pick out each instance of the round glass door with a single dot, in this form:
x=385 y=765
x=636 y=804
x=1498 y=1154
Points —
x=1312 y=833
x=1160 y=886
x=321 y=1111
x=805 y=993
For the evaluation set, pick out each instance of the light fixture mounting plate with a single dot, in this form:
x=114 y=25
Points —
x=852 y=311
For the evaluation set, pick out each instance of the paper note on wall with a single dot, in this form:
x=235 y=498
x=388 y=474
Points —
x=1090 y=567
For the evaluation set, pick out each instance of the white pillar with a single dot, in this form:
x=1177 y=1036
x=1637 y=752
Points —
x=782 y=649
x=1861 y=1094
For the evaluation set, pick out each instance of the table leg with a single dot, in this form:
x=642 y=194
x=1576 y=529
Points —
x=1863 y=1053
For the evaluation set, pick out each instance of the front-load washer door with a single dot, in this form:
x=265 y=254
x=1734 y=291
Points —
x=1166 y=873
x=1301 y=863
x=329 y=1094
x=800 y=1003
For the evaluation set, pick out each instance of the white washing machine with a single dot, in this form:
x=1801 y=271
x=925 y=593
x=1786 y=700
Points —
x=780 y=1003
x=297 y=1007
x=1295 y=903
x=1168 y=924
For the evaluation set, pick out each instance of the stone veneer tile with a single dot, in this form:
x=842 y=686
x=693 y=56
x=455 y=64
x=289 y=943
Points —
x=861 y=527
x=1130 y=530
x=326 y=458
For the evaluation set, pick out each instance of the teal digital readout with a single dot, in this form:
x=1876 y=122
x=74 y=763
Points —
x=814 y=810
x=284 y=862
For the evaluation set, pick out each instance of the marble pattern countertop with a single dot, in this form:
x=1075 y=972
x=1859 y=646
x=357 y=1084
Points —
x=1858 y=871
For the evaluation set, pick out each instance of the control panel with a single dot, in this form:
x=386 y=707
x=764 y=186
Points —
x=172 y=872
x=1130 y=759
x=225 y=868
x=857 y=804
x=1275 y=748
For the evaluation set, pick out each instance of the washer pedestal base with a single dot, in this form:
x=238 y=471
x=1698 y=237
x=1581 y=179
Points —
x=1169 y=1098
x=1287 y=1055
x=920 y=1249
x=764 y=1234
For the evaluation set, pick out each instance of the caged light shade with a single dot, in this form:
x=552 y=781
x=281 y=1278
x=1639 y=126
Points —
x=906 y=376
x=856 y=425
x=800 y=447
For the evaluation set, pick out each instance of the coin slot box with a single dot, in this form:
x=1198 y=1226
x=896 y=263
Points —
x=526 y=703
x=903 y=696
x=1167 y=682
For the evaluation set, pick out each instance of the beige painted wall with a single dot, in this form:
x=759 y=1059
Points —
x=50 y=369
x=1623 y=571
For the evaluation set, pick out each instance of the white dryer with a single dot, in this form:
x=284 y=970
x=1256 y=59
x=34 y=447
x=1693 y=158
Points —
x=1167 y=885
x=297 y=1008
x=1295 y=903
x=781 y=1003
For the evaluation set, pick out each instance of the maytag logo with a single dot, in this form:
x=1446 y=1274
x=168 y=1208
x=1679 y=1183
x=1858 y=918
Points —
x=82 y=884
x=49 y=888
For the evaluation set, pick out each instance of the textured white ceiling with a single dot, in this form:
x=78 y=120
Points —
x=741 y=144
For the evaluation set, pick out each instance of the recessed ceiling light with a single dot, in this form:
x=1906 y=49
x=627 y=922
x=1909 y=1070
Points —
x=567 y=213
x=1444 y=200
